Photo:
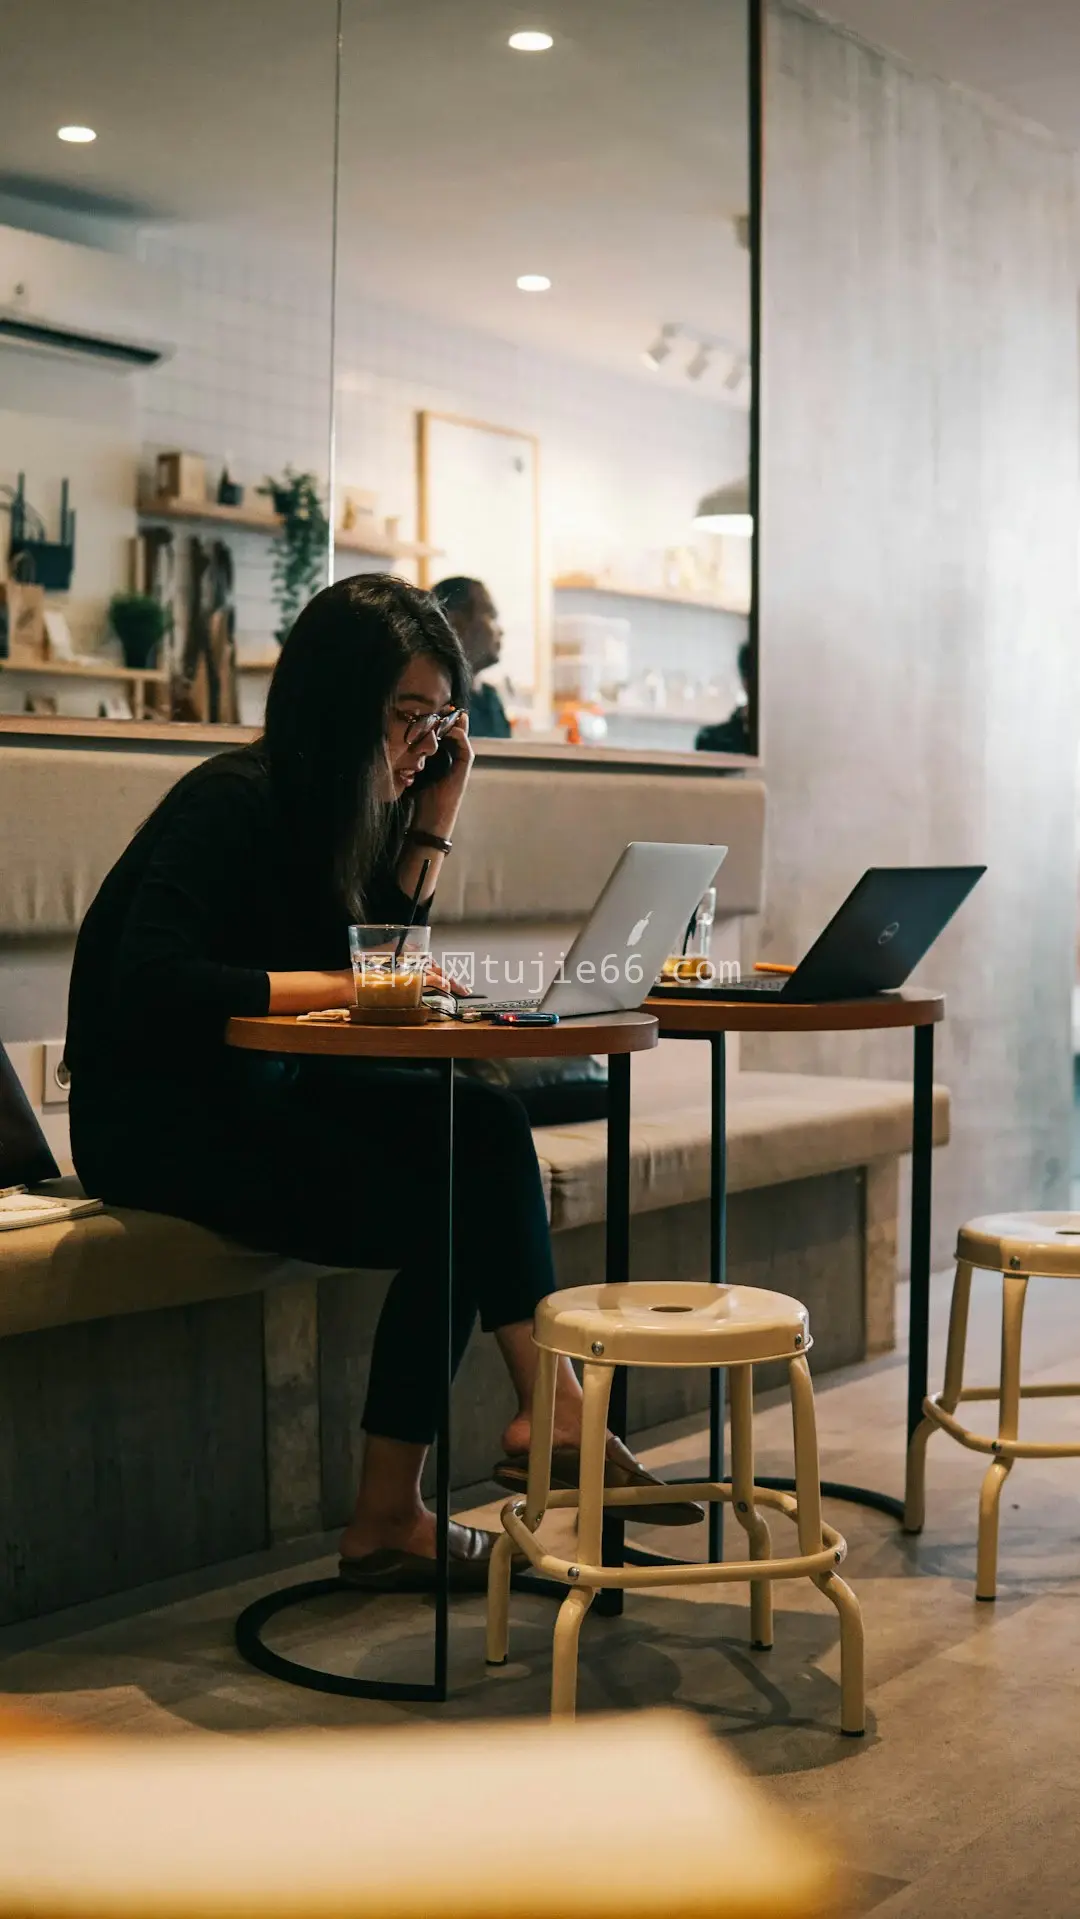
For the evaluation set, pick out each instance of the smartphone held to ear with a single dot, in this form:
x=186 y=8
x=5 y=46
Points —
x=434 y=769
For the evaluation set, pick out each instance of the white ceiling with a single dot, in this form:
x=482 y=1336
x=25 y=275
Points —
x=615 y=164
x=1025 y=53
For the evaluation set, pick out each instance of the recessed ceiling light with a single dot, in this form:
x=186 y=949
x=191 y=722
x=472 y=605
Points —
x=531 y=42
x=533 y=283
x=76 y=136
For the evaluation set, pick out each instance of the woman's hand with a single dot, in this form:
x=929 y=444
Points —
x=439 y=982
x=437 y=806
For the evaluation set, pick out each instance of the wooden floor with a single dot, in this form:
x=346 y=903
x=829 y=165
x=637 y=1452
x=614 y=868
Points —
x=960 y=1803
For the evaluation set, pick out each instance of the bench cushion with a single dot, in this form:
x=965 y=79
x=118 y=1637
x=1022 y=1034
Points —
x=781 y=1126
x=123 y=1261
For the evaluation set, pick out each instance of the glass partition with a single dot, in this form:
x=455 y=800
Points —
x=382 y=285
x=166 y=217
x=545 y=350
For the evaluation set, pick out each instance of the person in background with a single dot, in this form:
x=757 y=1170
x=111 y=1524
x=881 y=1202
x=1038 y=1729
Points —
x=733 y=734
x=471 y=612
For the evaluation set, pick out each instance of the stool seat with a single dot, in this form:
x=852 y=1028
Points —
x=672 y=1323
x=1043 y=1243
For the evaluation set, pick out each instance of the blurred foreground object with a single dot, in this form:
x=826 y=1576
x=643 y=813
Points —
x=627 y=1817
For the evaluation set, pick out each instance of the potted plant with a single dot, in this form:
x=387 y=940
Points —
x=140 y=623
x=301 y=548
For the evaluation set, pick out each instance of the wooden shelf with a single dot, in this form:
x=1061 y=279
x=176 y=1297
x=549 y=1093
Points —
x=380 y=548
x=677 y=715
x=589 y=583
x=209 y=513
x=263 y=665
x=246 y=520
x=89 y=669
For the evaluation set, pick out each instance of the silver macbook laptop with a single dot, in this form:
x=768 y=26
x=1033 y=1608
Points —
x=640 y=917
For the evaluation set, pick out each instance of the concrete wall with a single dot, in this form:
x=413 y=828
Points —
x=920 y=568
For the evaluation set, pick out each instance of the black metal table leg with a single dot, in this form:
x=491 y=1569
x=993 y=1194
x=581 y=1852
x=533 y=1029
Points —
x=609 y=1603
x=922 y=1176
x=636 y=1555
x=248 y=1628
x=922 y=1173
x=718 y=1275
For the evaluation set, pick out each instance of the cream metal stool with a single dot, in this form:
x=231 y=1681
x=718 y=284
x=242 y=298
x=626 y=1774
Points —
x=1018 y=1246
x=673 y=1324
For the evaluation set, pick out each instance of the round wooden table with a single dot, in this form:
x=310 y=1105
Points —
x=691 y=1014
x=440 y=1042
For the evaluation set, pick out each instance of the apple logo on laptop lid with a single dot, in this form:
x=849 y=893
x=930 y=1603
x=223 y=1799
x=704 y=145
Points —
x=638 y=932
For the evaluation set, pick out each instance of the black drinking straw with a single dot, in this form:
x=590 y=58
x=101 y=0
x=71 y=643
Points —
x=408 y=926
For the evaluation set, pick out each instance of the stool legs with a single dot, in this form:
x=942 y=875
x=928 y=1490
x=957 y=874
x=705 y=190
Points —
x=915 y=1491
x=811 y=1540
x=596 y=1388
x=536 y=1499
x=821 y=1548
x=1012 y=1320
x=740 y=1386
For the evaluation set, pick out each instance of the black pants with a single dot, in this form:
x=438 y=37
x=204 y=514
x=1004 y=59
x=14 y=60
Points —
x=333 y=1161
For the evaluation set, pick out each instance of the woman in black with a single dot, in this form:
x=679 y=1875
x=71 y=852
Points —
x=235 y=897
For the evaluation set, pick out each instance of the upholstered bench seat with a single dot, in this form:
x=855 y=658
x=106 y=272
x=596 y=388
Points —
x=780 y=1127
x=123 y=1261
x=148 y=1366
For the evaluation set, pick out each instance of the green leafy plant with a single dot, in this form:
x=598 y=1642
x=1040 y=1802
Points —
x=301 y=547
x=140 y=623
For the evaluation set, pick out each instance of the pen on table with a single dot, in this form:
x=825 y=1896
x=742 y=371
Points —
x=770 y=966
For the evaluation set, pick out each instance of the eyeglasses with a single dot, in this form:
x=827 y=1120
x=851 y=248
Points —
x=419 y=726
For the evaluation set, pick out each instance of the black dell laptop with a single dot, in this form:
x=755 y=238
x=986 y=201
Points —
x=872 y=945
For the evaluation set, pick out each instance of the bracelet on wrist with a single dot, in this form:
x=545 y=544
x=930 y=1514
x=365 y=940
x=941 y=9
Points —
x=430 y=839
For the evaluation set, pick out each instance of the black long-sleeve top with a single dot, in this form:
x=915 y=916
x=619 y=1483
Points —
x=211 y=896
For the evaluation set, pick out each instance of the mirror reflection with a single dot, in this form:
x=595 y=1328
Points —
x=543 y=350
x=165 y=332
x=526 y=386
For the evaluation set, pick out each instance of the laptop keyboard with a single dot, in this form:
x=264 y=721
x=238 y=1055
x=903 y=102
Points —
x=757 y=983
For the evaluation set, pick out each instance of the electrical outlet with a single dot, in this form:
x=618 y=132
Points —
x=56 y=1079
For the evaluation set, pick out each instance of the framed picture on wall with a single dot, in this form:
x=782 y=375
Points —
x=479 y=505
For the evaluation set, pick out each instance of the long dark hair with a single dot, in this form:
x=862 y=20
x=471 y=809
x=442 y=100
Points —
x=326 y=719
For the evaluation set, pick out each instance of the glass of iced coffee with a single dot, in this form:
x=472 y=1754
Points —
x=389 y=966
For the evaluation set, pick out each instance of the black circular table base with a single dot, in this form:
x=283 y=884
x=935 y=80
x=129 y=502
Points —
x=250 y=1645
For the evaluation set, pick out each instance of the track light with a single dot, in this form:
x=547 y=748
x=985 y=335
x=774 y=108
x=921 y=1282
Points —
x=655 y=355
x=700 y=363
